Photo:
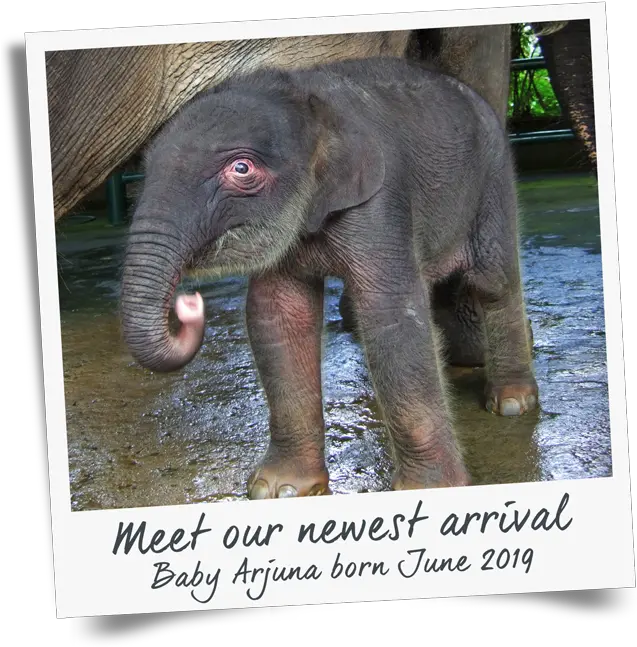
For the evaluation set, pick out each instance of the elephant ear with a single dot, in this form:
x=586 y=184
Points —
x=348 y=163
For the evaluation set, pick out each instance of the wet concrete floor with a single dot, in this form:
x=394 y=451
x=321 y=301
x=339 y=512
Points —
x=136 y=438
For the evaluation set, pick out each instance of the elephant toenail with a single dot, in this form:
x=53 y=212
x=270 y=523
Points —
x=286 y=491
x=531 y=401
x=510 y=407
x=317 y=490
x=259 y=490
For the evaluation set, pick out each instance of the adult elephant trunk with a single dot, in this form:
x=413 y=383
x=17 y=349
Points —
x=568 y=60
x=154 y=262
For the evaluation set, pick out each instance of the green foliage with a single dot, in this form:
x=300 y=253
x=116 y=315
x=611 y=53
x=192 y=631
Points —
x=525 y=44
x=530 y=93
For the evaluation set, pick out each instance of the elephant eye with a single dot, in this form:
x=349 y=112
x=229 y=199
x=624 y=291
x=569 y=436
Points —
x=242 y=167
x=244 y=176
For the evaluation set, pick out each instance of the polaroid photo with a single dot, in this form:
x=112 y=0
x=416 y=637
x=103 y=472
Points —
x=330 y=309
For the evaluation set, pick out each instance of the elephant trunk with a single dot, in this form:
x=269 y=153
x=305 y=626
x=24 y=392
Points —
x=154 y=261
x=569 y=64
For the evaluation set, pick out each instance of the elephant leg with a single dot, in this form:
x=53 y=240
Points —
x=285 y=318
x=402 y=355
x=511 y=387
x=568 y=60
x=480 y=57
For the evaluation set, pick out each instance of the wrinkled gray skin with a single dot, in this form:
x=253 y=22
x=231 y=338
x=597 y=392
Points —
x=385 y=174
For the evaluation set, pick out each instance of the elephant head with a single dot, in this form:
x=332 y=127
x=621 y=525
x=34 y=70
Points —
x=233 y=183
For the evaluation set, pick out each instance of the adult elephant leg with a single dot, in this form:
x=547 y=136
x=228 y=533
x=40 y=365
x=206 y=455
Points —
x=481 y=58
x=103 y=105
x=568 y=60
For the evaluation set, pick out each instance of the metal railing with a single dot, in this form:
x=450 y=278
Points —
x=535 y=63
x=116 y=183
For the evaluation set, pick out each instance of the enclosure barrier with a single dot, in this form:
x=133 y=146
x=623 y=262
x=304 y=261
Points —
x=116 y=183
x=535 y=63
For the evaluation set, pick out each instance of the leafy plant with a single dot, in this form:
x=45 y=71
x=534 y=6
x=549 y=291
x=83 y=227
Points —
x=530 y=93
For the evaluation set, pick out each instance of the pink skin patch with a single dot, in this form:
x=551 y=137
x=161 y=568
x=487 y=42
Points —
x=190 y=311
x=189 y=308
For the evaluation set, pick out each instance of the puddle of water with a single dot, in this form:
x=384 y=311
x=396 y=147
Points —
x=141 y=439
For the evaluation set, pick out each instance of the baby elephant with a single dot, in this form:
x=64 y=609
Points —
x=388 y=175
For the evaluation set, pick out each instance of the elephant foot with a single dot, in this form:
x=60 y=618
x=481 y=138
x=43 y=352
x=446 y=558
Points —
x=278 y=479
x=512 y=399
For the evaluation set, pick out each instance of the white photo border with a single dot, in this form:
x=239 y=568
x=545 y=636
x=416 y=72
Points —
x=596 y=552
